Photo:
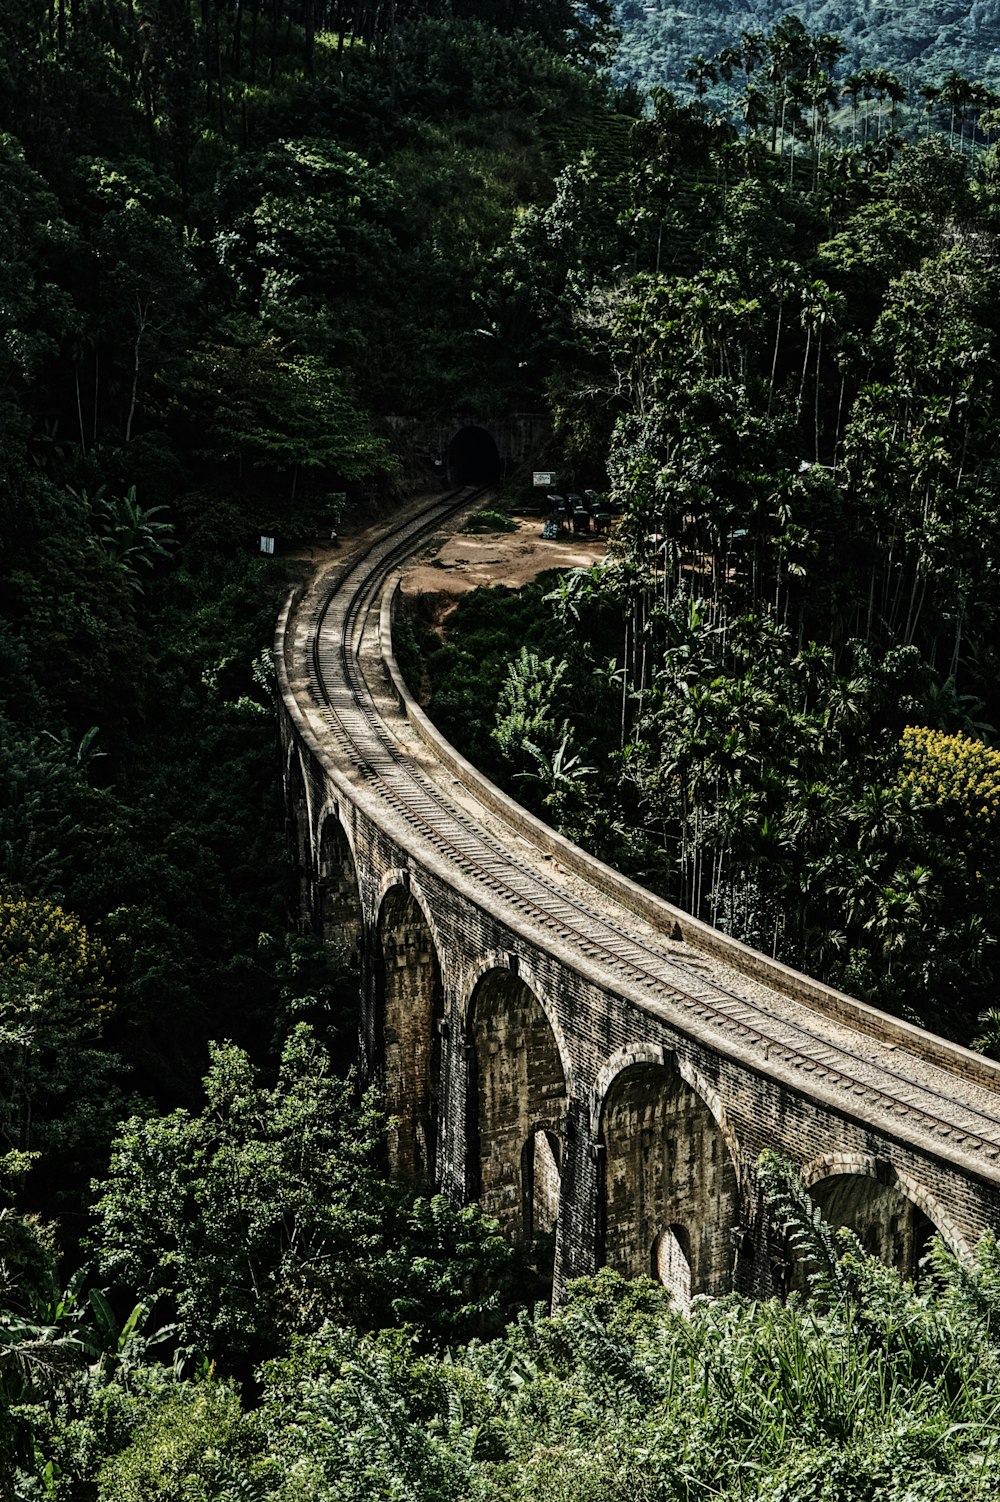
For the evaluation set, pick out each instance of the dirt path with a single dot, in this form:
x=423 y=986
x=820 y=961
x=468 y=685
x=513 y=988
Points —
x=452 y=566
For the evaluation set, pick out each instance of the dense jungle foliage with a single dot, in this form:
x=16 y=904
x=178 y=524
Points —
x=208 y=217
x=207 y=221
x=870 y=1392
x=236 y=239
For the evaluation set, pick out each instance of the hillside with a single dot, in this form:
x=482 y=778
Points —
x=241 y=242
x=920 y=42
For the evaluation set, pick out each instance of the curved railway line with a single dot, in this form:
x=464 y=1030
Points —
x=367 y=739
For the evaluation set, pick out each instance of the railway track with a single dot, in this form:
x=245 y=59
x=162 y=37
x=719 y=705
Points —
x=776 y=1033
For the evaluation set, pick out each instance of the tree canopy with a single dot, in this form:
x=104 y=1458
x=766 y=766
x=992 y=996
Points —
x=248 y=249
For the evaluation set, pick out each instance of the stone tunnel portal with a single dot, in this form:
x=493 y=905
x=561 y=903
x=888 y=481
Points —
x=518 y=1100
x=473 y=458
x=409 y=988
x=671 y=1200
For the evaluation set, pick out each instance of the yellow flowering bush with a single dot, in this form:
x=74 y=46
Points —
x=41 y=938
x=955 y=772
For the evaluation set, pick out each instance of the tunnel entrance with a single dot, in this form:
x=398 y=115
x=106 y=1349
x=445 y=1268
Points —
x=473 y=458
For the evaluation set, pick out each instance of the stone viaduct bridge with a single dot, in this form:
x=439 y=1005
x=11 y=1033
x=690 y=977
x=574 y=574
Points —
x=574 y=1053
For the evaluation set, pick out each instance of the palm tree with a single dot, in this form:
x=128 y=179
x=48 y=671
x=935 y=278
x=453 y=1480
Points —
x=983 y=101
x=987 y=1040
x=788 y=52
x=886 y=86
x=784 y=284
x=821 y=94
x=867 y=80
x=902 y=911
x=931 y=95
x=751 y=51
x=851 y=89
x=821 y=308
x=131 y=534
x=957 y=93
x=701 y=73
x=896 y=92
x=728 y=60
x=754 y=108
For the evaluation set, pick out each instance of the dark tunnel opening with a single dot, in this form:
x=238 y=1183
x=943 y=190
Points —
x=473 y=458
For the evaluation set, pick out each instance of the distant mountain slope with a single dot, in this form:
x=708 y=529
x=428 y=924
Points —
x=920 y=40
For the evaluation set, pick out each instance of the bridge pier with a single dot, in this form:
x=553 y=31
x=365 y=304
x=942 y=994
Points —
x=410 y=1009
x=578 y=1236
x=452 y=1172
x=297 y=828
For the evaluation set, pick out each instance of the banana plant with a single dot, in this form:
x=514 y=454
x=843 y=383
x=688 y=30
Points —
x=132 y=534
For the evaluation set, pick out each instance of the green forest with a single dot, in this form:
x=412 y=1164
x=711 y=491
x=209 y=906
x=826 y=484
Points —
x=238 y=238
x=918 y=44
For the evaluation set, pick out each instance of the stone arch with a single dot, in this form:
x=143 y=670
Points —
x=411 y=1009
x=401 y=876
x=541 y=1179
x=656 y=1055
x=339 y=915
x=635 y=1054
x=667 y=1166
x=503 y=960
x=473 y=457
x=517 y=1089
x=893 y=1216
x=670 y=1264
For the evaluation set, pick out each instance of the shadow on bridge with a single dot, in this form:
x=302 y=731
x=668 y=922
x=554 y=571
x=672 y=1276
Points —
x=338 y=899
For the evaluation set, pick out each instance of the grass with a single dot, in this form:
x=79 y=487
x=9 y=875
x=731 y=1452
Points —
x=490 y=521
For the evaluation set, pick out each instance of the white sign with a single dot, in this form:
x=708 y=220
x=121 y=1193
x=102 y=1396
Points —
x=543 y=478
x=267 y=544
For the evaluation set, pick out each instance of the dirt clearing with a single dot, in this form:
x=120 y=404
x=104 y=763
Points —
x=450 y=566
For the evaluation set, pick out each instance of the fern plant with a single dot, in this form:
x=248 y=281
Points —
x=815 y=1246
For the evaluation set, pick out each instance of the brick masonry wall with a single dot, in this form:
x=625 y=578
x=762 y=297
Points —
x=409 y=989
x=667 y=1166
